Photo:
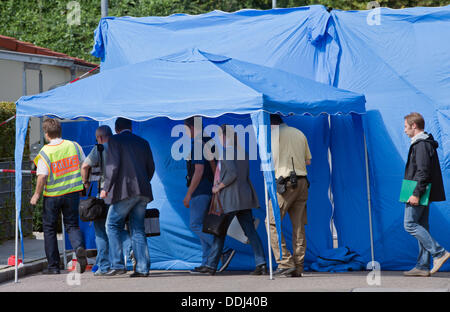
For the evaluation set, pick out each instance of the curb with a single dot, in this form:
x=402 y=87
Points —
x=35 y=266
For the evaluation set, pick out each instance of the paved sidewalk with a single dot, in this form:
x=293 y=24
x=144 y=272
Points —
x=35 y=260
x=31 y=280
x=33 y=247
x=183 y=281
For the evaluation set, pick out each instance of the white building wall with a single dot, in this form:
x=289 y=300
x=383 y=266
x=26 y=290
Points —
x=11 y=81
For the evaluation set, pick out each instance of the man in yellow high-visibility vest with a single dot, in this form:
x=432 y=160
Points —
x=59 y=179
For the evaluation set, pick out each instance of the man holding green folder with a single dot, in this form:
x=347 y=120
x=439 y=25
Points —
x=423 y=178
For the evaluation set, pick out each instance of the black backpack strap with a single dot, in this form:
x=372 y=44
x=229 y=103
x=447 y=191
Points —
x=90 y=191
x=100 y=149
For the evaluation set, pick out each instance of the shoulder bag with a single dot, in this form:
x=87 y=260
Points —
x=215 y=222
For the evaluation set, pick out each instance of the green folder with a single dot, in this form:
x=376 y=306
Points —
x=407 y=190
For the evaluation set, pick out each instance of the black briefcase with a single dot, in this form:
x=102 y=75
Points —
x=151 y=222
x=92 y=208
x=215 y=222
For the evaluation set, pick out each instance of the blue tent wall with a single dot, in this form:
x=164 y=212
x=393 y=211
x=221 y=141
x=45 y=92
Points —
x=297 y=40
x=401 y=65
x=294 y=40
x=250 y=88
x=178 y=247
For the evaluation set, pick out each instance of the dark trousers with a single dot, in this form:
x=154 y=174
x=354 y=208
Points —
x=68 y=204
x=245 y=219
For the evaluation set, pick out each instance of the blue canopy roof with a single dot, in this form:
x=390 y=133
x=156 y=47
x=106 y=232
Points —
x=188 y=83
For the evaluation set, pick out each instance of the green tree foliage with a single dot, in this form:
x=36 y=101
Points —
x=7 y=204
x=7 y=131
x=44 y=22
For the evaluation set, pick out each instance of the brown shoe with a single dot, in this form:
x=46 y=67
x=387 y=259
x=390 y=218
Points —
x=417 y=272
x=438 y=262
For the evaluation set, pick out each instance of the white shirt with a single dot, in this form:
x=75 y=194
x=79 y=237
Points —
x=420 y=135
x=42 y=168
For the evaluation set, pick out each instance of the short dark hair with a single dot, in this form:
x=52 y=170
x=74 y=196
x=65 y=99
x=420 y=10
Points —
x=415 y=118
x=52 y=127
x=122 y=124
x=275 y=119
x=104 y=130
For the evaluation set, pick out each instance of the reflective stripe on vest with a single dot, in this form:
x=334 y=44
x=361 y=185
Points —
x=63 y=161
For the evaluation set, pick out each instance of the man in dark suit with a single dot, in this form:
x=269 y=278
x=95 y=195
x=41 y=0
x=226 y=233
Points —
x=129 y=169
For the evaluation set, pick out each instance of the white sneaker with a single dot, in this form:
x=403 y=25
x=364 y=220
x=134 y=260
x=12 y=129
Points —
x=438 y=262
x=417 y=272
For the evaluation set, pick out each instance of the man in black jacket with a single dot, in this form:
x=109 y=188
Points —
x=129 y=169
x=423 y=166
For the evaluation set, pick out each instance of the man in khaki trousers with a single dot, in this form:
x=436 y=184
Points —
x=290 y=153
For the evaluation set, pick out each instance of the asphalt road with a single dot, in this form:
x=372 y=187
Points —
x=183 y=281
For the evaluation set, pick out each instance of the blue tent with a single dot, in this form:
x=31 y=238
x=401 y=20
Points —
x=158 y=93
x=397 y=58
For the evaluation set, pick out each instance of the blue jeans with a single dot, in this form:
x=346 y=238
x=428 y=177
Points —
x=416 y=224
x=115 y=222
x=101 y=241
x=199 y=206
x=245 y=219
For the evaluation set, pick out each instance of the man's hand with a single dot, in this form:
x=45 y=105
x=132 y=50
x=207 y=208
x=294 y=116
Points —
x=413 y=200
x=103 y=194
x=186 y=200
x=34 y=199
x=40 y=184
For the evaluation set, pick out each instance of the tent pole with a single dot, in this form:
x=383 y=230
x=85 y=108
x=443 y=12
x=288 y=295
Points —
x=268 y=229
x=369 y=202
x=330 y=189
x=16 y=269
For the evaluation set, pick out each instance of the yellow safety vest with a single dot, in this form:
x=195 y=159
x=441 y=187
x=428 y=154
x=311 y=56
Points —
x=63 y=163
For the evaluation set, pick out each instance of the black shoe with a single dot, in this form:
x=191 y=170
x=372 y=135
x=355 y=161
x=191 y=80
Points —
x=81 y=259
x=260 y=270
x=296 y=274
x=292 y=272
x=226 y=259
x=283 y=271
x=50 y=271
x=137 y=274
x=116 y=272
x=197 y=270
x=206 y=271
